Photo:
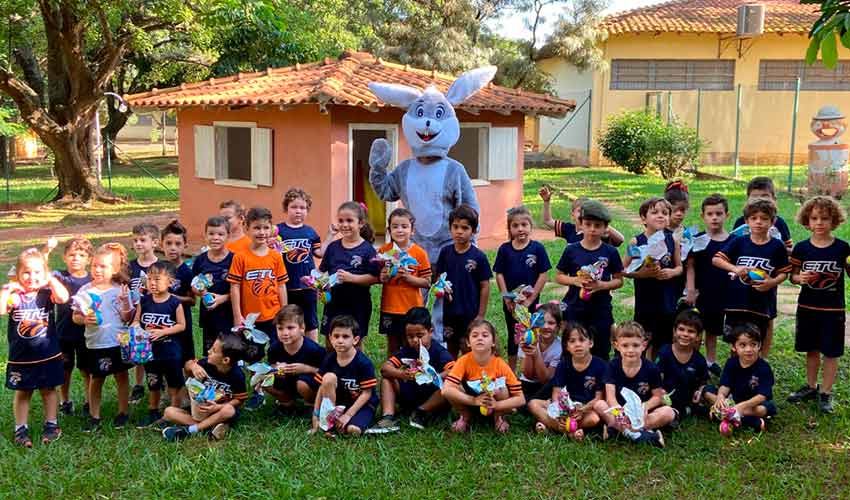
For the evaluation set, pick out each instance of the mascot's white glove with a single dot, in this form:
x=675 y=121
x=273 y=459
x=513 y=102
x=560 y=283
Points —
x=380 y=154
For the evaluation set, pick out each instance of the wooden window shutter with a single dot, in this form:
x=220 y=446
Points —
x=503 y=153
x=262 y=164
x=204 y=152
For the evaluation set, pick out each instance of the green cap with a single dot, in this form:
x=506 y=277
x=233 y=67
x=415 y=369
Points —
x=594 y=210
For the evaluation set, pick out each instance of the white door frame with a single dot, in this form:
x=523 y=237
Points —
x=385 y=127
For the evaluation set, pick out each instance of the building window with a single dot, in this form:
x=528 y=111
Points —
x=672 y=74
x=472 y=149
x=233 y=153
x=775 y=74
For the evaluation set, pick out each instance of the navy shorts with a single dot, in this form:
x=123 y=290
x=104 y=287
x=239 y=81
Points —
x=597 y=322
x=821 y=331
x=306 y=299
x=104 y=362
x=734 y=318
x=712 y=322
x=73 y=353
x=412 y=395
x=392 y=325
x=769 y=405
x=160 y=371
x=30 y=376
x=659 y=325
x=187 y=346
x=362 y=314
x=363 y=418
x=455 y=330
x=289 y=384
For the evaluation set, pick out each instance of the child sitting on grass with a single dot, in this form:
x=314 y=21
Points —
x=539 y=360
x=298 y=356
x=683 y=369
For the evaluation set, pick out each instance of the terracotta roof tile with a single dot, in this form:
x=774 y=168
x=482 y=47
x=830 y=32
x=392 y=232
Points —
x=711 y=16
x=340 y=81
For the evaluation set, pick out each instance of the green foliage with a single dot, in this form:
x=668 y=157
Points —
x=675 y=147
x=833 y=22
x=9 y=128
x=578 y=35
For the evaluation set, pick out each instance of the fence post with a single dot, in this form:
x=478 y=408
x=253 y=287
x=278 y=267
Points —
x=108 y=162
x=737 y=128
x=699 y=108
x=793 y=132
x=589 y=123
x=658 y=104
x=5 y=158
x=669 y=107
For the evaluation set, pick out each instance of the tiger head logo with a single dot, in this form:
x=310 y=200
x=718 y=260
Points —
x=263 y=287
x=530 y=260
x=471 y=265
x=14 y=378
x=589 y=382
x=104 y=364
x=31 y=328
x=643 y=388
x=356 y=261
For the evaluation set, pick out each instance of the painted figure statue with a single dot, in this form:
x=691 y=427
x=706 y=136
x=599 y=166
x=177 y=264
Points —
x=828 y=156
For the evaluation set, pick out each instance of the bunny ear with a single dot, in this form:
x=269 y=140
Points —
x=395 y=94
x=469 y=83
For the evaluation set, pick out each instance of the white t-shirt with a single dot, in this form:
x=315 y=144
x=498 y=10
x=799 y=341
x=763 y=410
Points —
x=551 y=357
x=104 y=335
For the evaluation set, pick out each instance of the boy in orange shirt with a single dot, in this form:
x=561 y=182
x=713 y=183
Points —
x=234 y=213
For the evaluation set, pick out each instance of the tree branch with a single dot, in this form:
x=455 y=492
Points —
x=28 y=104
x=32 y=74
x=106 y=31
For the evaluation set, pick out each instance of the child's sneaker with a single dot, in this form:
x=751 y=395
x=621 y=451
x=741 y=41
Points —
x=149 y=420
x=387 y=424
x=420 y=419
x=715 y=369
x=120 y=421
x=755 y=423
x=66 y=408
x=175 y=433
x=50 y=432
x=255 y=401
x=219 y=432
x=22 y=437
x=92 y=425
x=655 y=438
x=804 y=393
x=825 y=402
x=137 y=394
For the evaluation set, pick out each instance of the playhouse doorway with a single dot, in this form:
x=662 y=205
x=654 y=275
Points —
x=361 y=137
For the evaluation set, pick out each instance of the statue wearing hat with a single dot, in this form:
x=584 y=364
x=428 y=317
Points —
x=828 y=156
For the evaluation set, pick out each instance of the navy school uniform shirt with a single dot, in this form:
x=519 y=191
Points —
x=684 y=378
x=575 y=256
x=709 y=280
x=232 y=383
x=220 y=319
x=441 y=358
x=521 y=267
x=779 y=224
x=311 y=353
x=582 y=385
x=65 y=326
x=466 y=271
x=647 y=379
x=31 y=329
x=771 y=257
x=182 y=286
x=569 y=232
x=163 y=314
x=357 y=260
x=826 y=293
x=352 y=379
x=746 y=383
x=653 y=295
x=302 y=241
x=135 y=274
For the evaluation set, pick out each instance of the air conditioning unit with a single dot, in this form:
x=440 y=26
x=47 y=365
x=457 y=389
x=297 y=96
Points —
x=750 y=20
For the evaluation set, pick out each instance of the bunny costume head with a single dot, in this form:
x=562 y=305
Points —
x=430 y=124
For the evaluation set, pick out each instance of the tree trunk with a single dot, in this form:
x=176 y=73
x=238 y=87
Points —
x=73 y=164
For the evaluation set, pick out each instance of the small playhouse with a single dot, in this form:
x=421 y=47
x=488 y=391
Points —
x=252 y=136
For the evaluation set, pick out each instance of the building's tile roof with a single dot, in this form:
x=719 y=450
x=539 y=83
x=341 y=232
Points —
x=711 y=16
x=340 y=81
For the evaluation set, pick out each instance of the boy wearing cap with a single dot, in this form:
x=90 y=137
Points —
x=591 y=269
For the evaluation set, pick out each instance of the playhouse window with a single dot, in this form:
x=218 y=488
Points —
x=783 y=74
x=472 y=149
x=672 y=74
x=233 y=153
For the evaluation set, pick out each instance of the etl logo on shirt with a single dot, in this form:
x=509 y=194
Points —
x=31 y=322
x=156 y=319
x=828 y=273
x=351 y=386
x=754 y=262
x=299 y=250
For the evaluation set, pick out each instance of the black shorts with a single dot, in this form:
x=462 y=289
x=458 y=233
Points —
x=30 y=376
x=104 y=362
x=712 y=322
x=187 y=346
x=362 y=314
x=412 y=395
x=306 y=299
x=734 y=318
x=158 y=372
x=73 y=353
x=820 y=331
x=455 y=330
x=658 y=325
x=597 y=322
x=289 y=384
x=391 y=324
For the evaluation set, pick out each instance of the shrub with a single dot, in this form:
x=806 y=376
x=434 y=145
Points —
x=675 y=146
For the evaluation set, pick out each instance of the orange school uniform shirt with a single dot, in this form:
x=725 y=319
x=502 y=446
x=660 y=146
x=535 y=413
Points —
x=397 y=296
x=239 y=246
x=466 y=369
x=259 y=278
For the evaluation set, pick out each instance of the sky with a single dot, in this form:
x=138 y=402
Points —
x=514 y=27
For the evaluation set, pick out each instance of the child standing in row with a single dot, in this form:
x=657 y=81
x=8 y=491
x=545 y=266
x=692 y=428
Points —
x=216 y=315
x=234 y=213
x=818 y=266
x=520 y=262
x=571 y=231
x=676 y=192
x=174 y=241
x=145 y=238
x=35 y=360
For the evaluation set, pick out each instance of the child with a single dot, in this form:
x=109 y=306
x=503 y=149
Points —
x=109 y=282
x=398 y=380
x=174 y=241
x=145 y=239
x=539 y=361
x=72 y=342
x=570 y=231
x=217 y=315
x=351 y=258
x=588 y=298
x=683 y=369
x=706 y=284
x=304 y=244
x=481 y=364
x=630 y=369
x=750 y=300
x=762 y=187
x=35 y=360
x=298 y=356
x=818 y=266
x=161 y=314
x=219 y=368
x=747 y=378
x=468 y=270
x=347 y=378
x=403 y=291
x=676 y=192
x=234 y=213
x=520 y=261
x=581 y=374
x=656 y=293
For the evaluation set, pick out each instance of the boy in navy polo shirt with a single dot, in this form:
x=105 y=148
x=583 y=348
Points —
x=174 y=241
x=298 y=356
x=588 y=298
x=747 y=378
x=161 y=315
x=468 y=270
x=683 y=369
x=216 y=315
x=145 y=238
x=757 y=263
x=819 y=264
x=706 y=283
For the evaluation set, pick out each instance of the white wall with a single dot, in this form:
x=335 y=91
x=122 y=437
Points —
x=569 y=83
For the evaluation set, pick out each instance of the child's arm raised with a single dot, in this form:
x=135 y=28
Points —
x=546 y=195
x=126 y=310
x=10 y=288
x=58 y=292
x=615 y=237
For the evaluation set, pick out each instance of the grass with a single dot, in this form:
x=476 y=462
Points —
x=779 y=173
x=804 y=454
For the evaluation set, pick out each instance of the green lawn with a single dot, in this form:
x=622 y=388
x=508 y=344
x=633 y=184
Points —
x=804 y=454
